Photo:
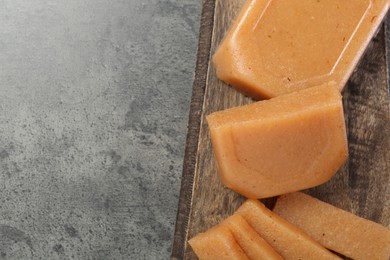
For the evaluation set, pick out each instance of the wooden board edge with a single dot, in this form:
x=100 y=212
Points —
x=196 y=108
x=387 y=44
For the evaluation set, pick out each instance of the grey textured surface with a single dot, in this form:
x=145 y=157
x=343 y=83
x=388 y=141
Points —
x=94 y=99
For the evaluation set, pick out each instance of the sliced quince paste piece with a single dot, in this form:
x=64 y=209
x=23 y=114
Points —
x=255 y=247
x=285 y=144
x=334 y=228
x=276 y=47
x=217 y=243
x=286 y=239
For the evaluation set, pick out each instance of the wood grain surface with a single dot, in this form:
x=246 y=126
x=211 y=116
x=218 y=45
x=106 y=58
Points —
x=361 y=186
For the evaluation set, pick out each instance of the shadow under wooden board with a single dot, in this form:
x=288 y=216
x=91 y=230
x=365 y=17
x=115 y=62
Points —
x=361 y=186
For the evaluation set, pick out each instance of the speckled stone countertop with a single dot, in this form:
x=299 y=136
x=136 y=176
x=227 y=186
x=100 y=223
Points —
x=94 y=100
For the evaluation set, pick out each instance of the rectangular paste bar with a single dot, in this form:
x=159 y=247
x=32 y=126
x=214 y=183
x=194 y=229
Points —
x=336 y=229
x=254 y=246
x=287 y=240
x=217 y=243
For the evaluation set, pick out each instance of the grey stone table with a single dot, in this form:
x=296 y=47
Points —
x=94 y=100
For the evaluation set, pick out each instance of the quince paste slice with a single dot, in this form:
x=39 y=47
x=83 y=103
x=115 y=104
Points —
x=285 y=144
x=287 y=240
x=277 y=47
x=334 y=228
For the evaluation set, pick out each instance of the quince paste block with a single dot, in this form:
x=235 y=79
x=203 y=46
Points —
x=289 y=143
x=335 y=228
x=276 y=47
x=286 y=239
x=253 y=245
x=217 y=243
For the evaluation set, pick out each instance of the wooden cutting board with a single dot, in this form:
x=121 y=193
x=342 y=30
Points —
x=361 y=186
